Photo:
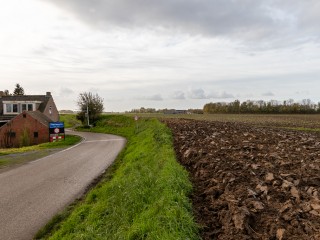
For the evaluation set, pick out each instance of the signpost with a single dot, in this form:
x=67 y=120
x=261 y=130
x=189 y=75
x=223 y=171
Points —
x=56 y=131
x=136 y=118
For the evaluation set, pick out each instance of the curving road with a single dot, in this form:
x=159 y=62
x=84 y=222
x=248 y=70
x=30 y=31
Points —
x=32 y=194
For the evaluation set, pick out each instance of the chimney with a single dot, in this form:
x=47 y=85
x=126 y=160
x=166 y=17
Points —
x=48 y=94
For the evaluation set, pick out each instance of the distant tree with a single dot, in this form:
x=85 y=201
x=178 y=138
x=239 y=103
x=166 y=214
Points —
x=91 y=104
x=235 y=107
x=273 y=107
x=244 y=107
x=18 y=90
x=195 y=111
x=6 y=92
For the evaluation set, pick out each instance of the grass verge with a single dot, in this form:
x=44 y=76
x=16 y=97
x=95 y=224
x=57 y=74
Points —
x=143 y=196
x=14 y=156
x=70 y=120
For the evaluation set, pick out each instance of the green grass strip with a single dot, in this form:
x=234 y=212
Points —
x=69 y=140
x=70 y=120
x=147 y=197
x=15 y=156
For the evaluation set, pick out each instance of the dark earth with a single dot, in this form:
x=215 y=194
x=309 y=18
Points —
x=251 y=182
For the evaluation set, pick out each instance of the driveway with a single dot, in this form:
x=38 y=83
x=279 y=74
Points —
x=32 y=194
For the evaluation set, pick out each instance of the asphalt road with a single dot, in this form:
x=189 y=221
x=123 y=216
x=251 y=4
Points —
x=32 y=194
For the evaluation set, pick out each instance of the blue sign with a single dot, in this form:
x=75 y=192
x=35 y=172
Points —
x=56 y=125
x=56 y=131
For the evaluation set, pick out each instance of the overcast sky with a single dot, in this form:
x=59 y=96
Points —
x=161 y=54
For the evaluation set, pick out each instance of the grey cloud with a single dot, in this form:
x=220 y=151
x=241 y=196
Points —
x=155 y=97
x=178 y=95
x=226 y=95
x=302 y=92
x=220 y=95
x=66 y=91
x=248 y=20
x=43 y=50
x=211 y=16
x=268 y=94
x=197 y=94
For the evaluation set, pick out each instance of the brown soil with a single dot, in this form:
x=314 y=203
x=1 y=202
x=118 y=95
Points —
x=250 y=182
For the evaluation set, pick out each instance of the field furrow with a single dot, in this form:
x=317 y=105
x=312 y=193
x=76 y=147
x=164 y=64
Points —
x=251 y=182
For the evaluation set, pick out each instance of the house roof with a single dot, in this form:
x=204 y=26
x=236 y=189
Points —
x=40 y=117
x=24 y=98
x=41 y=98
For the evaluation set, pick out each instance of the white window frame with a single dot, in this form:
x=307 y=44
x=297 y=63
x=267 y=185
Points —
x=19 y=105
x=27 y=107
x=5 y=108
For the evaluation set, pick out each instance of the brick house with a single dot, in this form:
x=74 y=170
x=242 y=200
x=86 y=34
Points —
x=24 y=120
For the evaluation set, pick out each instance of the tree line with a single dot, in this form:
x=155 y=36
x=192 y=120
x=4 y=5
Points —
x=306 y=106
x=165 y=110
x=18 y=90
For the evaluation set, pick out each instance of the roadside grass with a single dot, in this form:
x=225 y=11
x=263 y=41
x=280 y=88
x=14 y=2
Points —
x=144 y=195
x=70 y=120
x=14 y=156
x=69 y=140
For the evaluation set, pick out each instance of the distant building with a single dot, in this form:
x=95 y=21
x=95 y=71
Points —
x=24 y=119
x=174 y=111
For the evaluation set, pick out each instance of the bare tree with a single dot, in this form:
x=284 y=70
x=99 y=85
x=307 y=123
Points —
x=91 y=106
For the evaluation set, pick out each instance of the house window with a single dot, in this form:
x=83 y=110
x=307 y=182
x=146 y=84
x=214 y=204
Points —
x=8 y=107
x=35 y=134
x=27 y=107
x=11 y=134
x=11 y=108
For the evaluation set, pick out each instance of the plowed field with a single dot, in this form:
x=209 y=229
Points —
x=250 y=182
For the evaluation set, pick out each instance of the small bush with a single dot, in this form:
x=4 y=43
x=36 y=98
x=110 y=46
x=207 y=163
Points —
x=25 y=138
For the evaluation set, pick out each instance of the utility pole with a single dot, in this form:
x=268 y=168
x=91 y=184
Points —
x=88 y=113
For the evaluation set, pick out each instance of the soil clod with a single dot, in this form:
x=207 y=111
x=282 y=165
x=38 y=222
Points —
x=251 y=182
